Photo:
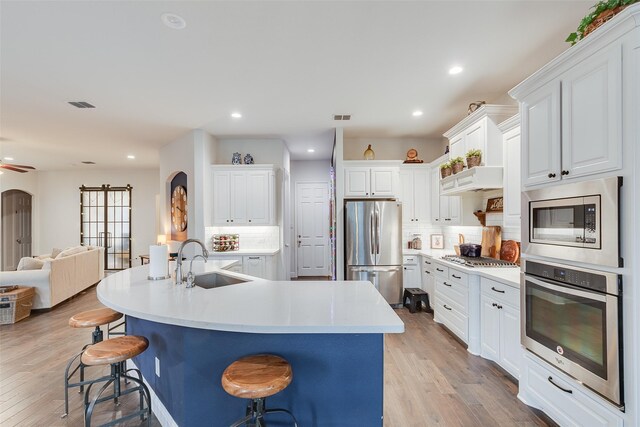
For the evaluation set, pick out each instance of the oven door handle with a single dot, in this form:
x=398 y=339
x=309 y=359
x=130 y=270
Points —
x=567 y=289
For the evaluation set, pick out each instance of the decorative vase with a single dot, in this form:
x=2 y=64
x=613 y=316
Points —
x=369 y=154
x=248 y=159
x=473 y=161
x=236 y=159
x=457 y=168
x=445 y=172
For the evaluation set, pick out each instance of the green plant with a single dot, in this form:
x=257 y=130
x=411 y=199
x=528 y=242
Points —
x=474 y=153
x=445 y=165
x=457 y=160
x=598 y=8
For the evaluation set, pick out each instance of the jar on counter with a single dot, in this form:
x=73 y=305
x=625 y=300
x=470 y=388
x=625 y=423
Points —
x=416 y=243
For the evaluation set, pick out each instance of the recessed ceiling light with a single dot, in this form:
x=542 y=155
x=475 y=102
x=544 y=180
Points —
x=9 y=158
x=173 y=21
x=236 y=115
x=311 y=150
x=131 y=157
x=417 y=113
x=455 y=70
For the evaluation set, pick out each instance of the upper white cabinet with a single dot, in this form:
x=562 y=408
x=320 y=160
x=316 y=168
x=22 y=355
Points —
x=244 y=195
x=511 y=171
x=363 y=179
x=572 y=121
x=451 y=210
x=480 y=131
x=414 y=194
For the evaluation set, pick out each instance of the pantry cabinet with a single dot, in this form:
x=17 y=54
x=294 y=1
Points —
x=363 y=181
x=243 y=195
x=571 y=124
x=414 y=194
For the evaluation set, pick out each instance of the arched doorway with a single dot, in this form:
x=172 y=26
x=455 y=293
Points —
x=16 y=228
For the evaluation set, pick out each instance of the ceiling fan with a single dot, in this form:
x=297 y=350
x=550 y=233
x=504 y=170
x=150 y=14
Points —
x=16 y=168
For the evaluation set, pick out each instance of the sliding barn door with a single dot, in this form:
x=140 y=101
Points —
x=105 y=220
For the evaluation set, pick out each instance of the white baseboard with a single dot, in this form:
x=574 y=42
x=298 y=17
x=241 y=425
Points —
x=158 y=409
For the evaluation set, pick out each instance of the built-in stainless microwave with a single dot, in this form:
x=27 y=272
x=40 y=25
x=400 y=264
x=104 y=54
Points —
x=576 y=222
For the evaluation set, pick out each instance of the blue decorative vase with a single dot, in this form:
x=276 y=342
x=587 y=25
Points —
x=248 y=159
x=236 y=159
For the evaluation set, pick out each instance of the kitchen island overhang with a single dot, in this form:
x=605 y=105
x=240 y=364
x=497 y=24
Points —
x=330 y=332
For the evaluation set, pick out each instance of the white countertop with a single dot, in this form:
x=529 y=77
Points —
x=245 y=252
x=258 y=306
x=508 y=276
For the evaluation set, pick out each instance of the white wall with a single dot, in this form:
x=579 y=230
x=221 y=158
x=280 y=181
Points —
x=59 y=199
x=394 y=148
x=264 y=151
x=304 y=171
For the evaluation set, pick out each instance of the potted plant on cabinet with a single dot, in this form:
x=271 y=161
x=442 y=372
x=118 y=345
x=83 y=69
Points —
x=602 y=12
x=457 y=164
x=474 y=157
x=445 y=169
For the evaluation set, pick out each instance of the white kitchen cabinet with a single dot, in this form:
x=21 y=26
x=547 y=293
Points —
x=451 y=210
x=414 y=194
x=500 y=325
x=479 y=130
x=411 y=272
x=451 y=307
x=243 y=195
x=428 y=278
x=260 y=266
x=511 y=171
x=363 y=180
x=254 y=265
x=571 y=125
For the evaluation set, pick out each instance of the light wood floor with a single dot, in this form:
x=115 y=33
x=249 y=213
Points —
x=430 y=379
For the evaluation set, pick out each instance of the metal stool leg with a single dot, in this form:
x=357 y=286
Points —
x=271 y=411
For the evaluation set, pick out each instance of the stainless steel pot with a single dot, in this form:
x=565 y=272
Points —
x=470 y=249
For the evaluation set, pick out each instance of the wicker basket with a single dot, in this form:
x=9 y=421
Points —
x=445 y=172
x=457 y=168
x=473 y=161
x=601 y=19
x=16 y=305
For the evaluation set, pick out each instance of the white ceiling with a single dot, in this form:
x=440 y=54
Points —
x=287 y=66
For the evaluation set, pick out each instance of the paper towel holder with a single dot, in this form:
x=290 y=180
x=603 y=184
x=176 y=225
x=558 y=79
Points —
x=161 y=240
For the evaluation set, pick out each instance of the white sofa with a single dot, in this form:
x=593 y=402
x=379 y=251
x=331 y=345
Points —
x=59 y=278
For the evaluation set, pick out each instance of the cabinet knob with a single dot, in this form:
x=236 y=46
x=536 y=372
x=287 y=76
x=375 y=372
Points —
x=227 y=220
x=249 y=220
x=366 y=194
x=551 y=175
x=565 y=172
x=373 y=194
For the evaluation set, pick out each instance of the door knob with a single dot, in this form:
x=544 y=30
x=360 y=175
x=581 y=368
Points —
x=299 y=242
x=19 y=241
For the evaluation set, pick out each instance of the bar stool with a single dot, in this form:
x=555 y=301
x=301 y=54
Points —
x=115 y=352
x=88 y=319
x=256 y=378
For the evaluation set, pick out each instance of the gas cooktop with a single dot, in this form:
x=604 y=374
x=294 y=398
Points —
x=483 y=262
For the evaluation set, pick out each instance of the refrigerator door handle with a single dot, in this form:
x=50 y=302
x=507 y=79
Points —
x=372 y=234
x=377 y=233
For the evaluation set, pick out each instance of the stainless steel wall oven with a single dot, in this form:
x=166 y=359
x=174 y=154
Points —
x=572 y=318
x=577 y=222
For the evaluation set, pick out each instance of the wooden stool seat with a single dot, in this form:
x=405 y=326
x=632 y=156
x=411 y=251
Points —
x=114 y=350
x=93 y=318
x=257 y=376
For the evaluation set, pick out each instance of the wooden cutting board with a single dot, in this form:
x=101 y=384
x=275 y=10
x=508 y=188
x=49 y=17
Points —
x=491 y=241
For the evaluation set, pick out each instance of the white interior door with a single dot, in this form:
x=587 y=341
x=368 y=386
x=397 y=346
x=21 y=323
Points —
x=312 y=223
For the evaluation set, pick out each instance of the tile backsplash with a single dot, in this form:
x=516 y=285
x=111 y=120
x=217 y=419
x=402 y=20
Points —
x=255 y=237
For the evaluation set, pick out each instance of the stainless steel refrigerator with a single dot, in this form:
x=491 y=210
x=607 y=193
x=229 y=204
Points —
x=373 y=245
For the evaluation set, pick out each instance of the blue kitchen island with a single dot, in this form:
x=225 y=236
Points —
x=332 y=334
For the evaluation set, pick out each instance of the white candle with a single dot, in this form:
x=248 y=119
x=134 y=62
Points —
x=158 y=261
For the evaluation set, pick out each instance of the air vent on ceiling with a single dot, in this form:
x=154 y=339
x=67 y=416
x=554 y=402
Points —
x=81 y=104
x=342 y=117
x=88 y=162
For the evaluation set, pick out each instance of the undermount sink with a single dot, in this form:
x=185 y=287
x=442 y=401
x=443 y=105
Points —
x=216 y=280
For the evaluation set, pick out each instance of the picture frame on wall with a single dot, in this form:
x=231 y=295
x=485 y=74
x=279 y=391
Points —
x=437 y=241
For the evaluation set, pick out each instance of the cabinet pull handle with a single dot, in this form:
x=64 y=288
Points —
x=551 y=175
x=254 y=257
x=427 y=271
x=494 y=304
x=565 y=172
x=441 y=271
x=550 y=379
x=457 y=277
x=497 y=290
x=427 y=262
x=499 y=307
x=446 y=284
x=447 y=219
x=449 y=308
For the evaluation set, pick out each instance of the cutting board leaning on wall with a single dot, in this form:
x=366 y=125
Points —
x=491 y=241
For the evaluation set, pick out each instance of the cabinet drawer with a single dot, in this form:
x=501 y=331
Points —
x=453 y=319
x=459 y=277
x=500 y=292
x=428 y=262
x=568 y=409
x=456 y=293
x=410 y=260
x=441 y=270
